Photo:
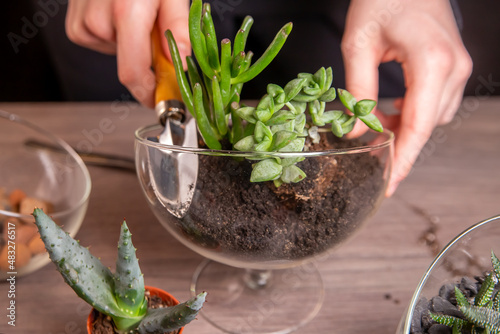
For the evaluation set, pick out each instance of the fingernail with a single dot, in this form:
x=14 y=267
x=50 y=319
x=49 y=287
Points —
x=184 y=50
x=391 y=189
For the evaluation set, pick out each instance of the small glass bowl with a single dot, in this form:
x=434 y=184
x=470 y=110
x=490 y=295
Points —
x=36 y=169
x=467 y=255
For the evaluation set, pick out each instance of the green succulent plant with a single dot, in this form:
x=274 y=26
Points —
x=119 y=295
x=283 y=118
x=482 y=314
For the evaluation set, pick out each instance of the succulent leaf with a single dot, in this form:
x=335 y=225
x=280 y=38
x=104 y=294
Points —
x=167 y=319
x=83 y=272
x=266 y=102
x=364 y=107
x=482 y=317
x=282 y=139
x=313 y=91
x=328 y=96
x=262 y=131
x=274 y=90
x=486 y=291
x=297 y=107
x=247 y=113
x=280 y=117
x=266 y=58
x=347 y=99
x=337 y=128
x=461 y=300
x=372 y=122
x=237 y=64
x=208 y=31
x=241 y=36
x=496 y=301
x=293 y=174
x=245 y=144
x=266 y=170
x=348 y=124
x=447 y=320
x=300 y=123
x=456 y=328
x=264 y=145
x=315 y=111
x=129 y=281
x=263 y=115
x=288 y=126
x=293 y=87
x=296 y=145
x=496 y=264
x=329 y=79
x=320 y=78
x=331 y=115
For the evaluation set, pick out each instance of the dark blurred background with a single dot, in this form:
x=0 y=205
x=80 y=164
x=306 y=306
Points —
x=29 y=72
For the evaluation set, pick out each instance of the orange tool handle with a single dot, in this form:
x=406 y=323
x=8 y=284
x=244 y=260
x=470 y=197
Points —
x=166 y=80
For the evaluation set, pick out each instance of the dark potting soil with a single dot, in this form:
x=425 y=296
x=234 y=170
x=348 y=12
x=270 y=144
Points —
x=103 y=324
x=261 y=221
x=444 y=303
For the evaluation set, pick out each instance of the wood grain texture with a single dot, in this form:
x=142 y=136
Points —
x=368 y=281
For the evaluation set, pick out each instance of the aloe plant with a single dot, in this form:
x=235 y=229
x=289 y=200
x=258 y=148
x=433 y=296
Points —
x=119 y=295
x=279 y=122
x=480 y=315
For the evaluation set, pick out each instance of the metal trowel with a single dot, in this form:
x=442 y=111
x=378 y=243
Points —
x=173 y=173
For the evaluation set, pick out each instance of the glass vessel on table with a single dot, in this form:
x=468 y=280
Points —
x=260 y=240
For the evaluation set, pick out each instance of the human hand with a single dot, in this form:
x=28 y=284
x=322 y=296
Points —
x=123 y=27
x=424 y=38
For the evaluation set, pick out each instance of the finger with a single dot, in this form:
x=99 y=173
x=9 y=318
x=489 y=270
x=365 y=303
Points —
x=456 y=86
x=450 y=109
x=99 y=21
x=390 y=122
x=419 y=115
x=134 y=48
x=78 y=32
x=361 y=71
x=173 y=15
x=398 y=104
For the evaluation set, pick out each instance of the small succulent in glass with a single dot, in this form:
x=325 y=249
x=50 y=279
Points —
x=120 y=295
x=482 y=313
x=283 y=118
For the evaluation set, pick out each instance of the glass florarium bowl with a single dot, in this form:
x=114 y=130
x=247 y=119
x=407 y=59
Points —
x=260 y=237
x=460 y=264
x=37 y=169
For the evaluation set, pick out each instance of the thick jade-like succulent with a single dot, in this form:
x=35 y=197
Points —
x=283 y=118
x=119 y=295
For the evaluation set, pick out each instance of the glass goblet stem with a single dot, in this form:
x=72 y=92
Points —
x=257 y=279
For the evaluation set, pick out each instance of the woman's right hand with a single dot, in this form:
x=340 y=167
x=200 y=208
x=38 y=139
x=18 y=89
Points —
x=123 y=27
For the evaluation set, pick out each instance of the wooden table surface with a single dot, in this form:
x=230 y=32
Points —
x=369 y=281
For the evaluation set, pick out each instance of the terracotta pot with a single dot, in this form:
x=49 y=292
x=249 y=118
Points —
x=153 y=291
